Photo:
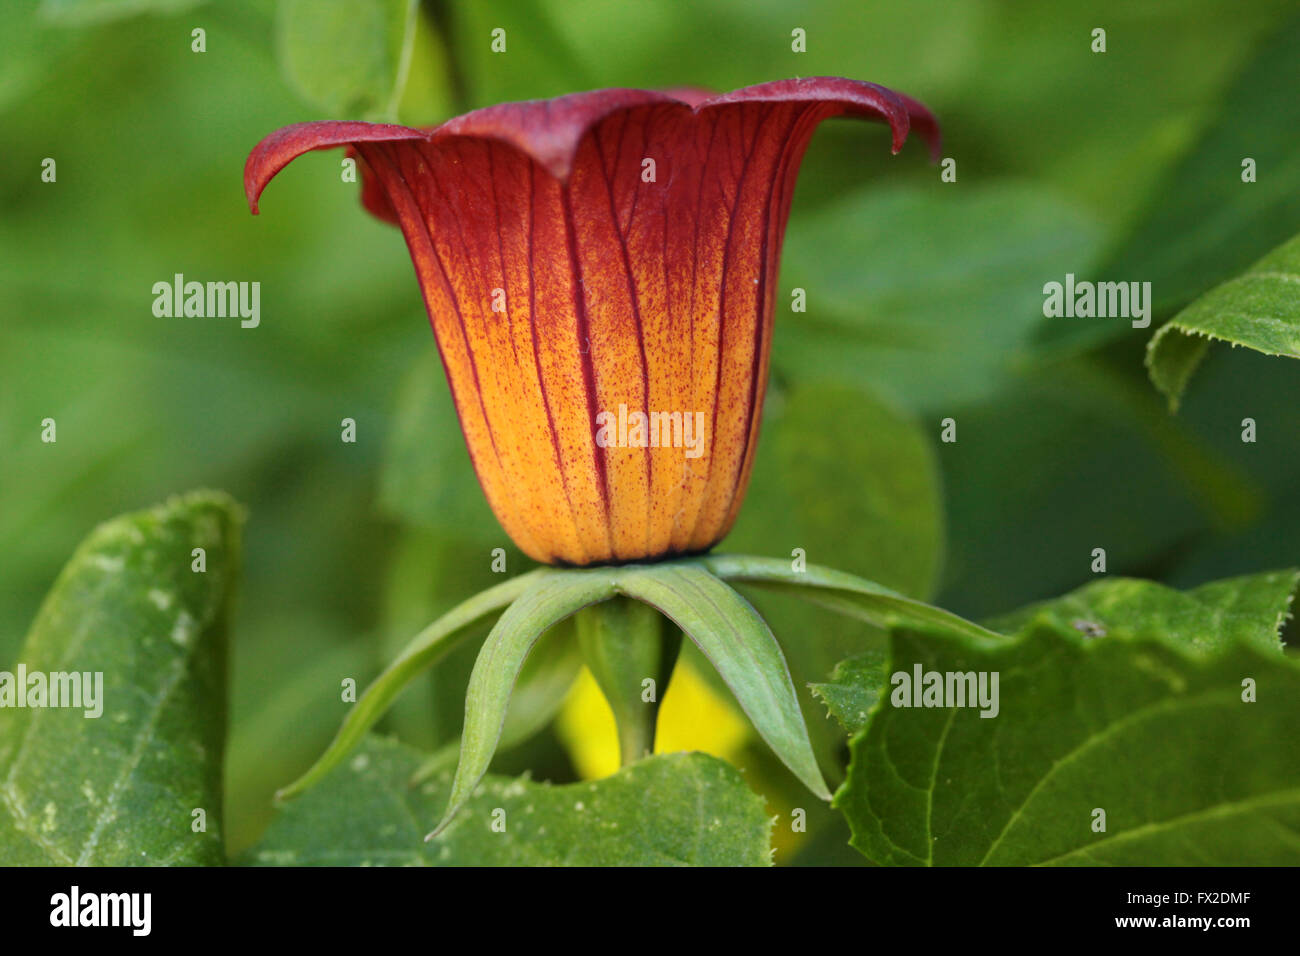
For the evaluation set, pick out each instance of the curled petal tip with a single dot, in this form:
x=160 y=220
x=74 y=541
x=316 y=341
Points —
x=276 y=151
x=844 y=96
x=923 y=121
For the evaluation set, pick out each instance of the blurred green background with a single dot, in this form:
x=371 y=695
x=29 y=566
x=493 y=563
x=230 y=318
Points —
x=924 y=303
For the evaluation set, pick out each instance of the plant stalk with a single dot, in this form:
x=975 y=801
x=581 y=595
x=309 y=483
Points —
x=630 y=648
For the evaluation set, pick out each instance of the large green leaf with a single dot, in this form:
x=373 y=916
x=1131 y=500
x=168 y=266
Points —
x=1186 y=770
x=1259 y=309
x=854 y=687
x=833 y=457
x=928 y=293
x=349 y=57
x=680 y=809
x=1204 y=223
x=120 y=788
x=1248 y=610
x=1072 y=457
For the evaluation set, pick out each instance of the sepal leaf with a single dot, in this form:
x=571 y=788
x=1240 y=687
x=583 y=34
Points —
x=839 y=591
x=738 y=642
x=552 y=597
x=424 y=650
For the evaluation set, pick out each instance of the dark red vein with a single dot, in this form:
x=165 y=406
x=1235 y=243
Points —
x=640 y=329
x=588 y=369
x=537 y=361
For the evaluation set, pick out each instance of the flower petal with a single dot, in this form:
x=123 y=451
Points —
x=285 y=145
x=844 y=96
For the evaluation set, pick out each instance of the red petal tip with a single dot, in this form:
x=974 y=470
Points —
x=276 y=151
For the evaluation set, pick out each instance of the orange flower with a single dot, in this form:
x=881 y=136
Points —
x=600 y=272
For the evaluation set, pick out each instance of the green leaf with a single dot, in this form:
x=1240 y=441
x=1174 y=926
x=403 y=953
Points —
x=1186 y=771
x=1072 y=457
x=538 y=695
x=730 y=633
x=840 y=592
x=543 y=684
x=1248 y=610
x=350 y=57
x=1204 y=224
x=679 y=809
x=1259 y=309
x=834 y=457
x=433 y=90
x=424 y=650
x=854 y=688
x=950 y=293
x=551 y=597
x=119 y=789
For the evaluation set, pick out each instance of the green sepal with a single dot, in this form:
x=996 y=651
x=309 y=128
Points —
x=838 y=591
x=730 y=633
x=425 y=649
x=553 y=597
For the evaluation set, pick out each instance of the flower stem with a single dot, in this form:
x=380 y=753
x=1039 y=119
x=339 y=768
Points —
x=630 y=648
x=441 y=16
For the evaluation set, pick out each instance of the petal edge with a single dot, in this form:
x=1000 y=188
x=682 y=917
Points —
x=283 y=146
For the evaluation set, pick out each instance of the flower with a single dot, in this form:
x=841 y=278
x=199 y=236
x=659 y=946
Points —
x=600 y=273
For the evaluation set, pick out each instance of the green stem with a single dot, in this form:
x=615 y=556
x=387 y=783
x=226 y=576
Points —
x=625 y=644
x=441 y=16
